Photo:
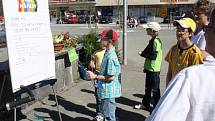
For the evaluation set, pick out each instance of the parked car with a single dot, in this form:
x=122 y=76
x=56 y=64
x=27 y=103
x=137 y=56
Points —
x=73 y=20
x=62 y=20
x=82 y=20
x=143 y=19
x=105 y=20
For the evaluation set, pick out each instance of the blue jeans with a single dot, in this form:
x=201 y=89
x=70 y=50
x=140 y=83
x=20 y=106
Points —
x=108 y=109
x=98 y=103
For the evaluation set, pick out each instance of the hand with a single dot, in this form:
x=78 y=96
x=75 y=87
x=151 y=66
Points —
x=91 y=75
x=92 y=64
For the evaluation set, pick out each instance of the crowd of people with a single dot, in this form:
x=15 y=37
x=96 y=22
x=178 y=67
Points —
x=189 y=95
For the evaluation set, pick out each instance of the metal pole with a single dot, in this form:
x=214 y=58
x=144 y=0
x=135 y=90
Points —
x=60 y=118
x=125 y=5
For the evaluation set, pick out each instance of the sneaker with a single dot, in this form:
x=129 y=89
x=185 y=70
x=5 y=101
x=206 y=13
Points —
x=98 y=118
x=140 y=106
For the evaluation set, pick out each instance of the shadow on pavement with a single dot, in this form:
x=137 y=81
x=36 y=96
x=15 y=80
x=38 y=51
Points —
x=121 y=100
x=138 y=95
x=91 y=105
x=121 y=114
x=87 y=91
x=54 y=115
x=124 y=115
x=70 y=107
x=126 y=101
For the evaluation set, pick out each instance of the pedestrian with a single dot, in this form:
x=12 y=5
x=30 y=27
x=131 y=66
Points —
x=201 y=12
x=185 y=53
x=109 y=77
x=95 y=64
x=190 y=95
x=198 y=37
x=153 y=58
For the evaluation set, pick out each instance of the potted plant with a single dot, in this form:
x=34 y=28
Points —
x=62 y=41
x=89 y=47
x=58 y=42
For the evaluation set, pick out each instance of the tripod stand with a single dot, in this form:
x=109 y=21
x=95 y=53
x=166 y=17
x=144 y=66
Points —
x=13 y=105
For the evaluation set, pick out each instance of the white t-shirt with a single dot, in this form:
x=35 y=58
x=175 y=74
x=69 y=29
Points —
x=199 y=40
x=190 y=96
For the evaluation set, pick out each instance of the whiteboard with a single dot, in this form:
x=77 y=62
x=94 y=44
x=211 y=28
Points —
x=29 y=41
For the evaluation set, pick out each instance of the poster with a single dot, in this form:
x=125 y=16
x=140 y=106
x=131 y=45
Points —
x=72 y=55
x=29 y=41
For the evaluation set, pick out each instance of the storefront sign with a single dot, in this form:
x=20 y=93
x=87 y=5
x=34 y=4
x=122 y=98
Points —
x=163 y=12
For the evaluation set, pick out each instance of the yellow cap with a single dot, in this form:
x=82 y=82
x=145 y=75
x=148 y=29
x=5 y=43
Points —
x=186 y=23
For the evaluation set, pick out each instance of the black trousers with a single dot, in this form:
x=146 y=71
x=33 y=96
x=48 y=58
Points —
x=152 y=86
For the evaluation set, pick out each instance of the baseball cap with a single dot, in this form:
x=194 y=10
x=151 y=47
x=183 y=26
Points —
x=186 y=23
x=109 y=34
x=152 y=25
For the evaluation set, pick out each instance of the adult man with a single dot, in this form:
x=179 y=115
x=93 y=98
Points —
x=109 y=78
x=190 y=95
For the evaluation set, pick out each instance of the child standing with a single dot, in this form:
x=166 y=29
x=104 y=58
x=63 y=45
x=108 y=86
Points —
x=95 y=63
x=152 y=66
x=109 y=77
x=185 y=53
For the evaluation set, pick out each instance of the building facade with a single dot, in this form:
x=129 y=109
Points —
x=147 y=7
x=75 y=7
x=115 y=7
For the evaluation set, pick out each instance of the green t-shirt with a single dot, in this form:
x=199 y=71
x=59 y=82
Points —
x=155 y=65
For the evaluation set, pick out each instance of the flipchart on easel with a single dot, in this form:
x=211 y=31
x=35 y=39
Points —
x=29 y=41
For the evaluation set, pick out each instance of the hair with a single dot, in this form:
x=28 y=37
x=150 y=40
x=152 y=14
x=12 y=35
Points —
x=202 y=7
x=190 y=31
x=212 y=17
x=109 y=34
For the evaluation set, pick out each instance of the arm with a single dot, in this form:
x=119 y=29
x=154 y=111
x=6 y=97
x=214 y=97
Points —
x=202 y=45
x=196 y=59
x=105 y=78
x=93 y=62
x=151 y=50
x=168 y=58
x=204 y=54
x=169 y=75
x=93 y=76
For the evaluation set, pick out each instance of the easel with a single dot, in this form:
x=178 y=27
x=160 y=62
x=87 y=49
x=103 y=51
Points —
x=13 y=105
